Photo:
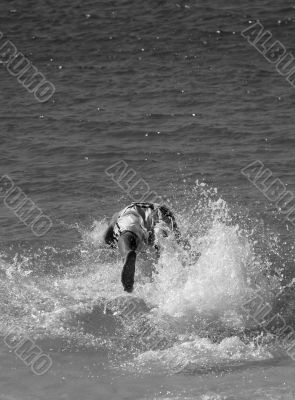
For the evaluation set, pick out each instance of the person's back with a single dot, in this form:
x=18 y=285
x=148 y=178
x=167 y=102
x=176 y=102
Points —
x=135 y=226
x=139 y=218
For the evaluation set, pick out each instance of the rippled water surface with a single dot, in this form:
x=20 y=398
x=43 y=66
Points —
x=173 y=90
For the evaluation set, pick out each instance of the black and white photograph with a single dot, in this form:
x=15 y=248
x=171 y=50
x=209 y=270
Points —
x=147 y=200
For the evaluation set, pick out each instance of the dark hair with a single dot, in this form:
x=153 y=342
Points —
x=166 y=212
x=167 y=215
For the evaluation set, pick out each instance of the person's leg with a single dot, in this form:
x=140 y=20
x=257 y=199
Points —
x=128 y=243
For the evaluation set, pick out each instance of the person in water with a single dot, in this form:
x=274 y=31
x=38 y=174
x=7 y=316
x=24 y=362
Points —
x=135 y=226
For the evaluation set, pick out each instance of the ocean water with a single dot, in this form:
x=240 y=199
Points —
x=174 y=91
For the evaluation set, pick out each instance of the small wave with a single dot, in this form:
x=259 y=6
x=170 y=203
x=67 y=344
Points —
x=200 y=355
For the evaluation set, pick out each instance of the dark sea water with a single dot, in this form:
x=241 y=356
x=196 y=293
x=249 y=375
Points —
x=173 y=90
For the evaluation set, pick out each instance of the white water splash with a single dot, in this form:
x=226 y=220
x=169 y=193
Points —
x=193 y=294
x=215 y=283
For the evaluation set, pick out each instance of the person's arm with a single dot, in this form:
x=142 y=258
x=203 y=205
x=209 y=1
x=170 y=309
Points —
x=108 y=236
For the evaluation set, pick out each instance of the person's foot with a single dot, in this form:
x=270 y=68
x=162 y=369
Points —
x=129 y=271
